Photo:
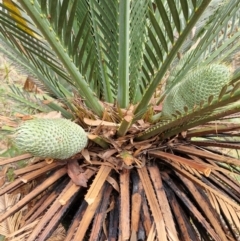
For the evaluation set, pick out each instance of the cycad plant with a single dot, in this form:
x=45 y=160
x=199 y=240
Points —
x=152 y=84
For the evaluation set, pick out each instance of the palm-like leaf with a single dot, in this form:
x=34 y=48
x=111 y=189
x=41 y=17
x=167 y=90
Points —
x=107 y=63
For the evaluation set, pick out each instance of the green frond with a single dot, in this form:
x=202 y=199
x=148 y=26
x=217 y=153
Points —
x=138 y=31
x=236 y=75
x=167 y=53
x=29 y=100
x=36 y=68
x=120 y=46
x=215 y=39
x=37 y=102
x=117 y=52
x=105 y=29
x=49 y=56
x=226 y=41
x=123 y=66
x=211 y=109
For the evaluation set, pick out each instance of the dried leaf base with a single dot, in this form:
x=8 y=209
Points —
x=182 y=194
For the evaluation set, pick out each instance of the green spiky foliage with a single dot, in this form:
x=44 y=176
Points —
x=154 y=84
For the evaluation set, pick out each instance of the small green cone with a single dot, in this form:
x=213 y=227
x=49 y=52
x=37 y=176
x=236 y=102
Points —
x=199 y=84
x=51 y=138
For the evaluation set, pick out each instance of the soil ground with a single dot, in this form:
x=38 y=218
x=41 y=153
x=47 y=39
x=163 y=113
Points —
x=9 y=75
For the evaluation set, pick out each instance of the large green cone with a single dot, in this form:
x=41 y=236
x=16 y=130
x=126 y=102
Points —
x=197 y=87
x=51 y=138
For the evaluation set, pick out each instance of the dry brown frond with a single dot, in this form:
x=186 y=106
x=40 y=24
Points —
x=12 y=223
x=149 y=190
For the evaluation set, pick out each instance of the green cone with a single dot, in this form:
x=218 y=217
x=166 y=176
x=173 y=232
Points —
x=201 y=83
x=51 y=138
